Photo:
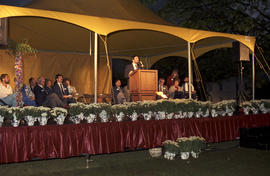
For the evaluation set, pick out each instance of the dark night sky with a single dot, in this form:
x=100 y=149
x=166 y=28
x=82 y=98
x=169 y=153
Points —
x=15 y=2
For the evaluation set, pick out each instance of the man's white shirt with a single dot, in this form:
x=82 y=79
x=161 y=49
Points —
x=5 y=91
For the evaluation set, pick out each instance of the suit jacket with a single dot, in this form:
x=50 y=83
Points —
x=128 y=69
x=40 y=95
x=115 y=92
x=57 y=90
x=118 y=95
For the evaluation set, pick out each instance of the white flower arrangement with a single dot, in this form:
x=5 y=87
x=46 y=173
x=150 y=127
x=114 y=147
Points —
x=59 y=115
x=3 y=114
x=104 y=116
x=171 y=149
x=159 y=110
x=15 y=114
x=119 y=111
x=148 y=115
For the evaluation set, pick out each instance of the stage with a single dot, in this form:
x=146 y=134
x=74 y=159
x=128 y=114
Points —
x=61 y=141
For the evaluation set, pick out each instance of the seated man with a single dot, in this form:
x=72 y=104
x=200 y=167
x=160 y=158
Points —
x=162 y=88
x=175 y=90
x=61 y=91
x=44 y=99
x=118 y=93
x=6 y=94
x=186 y=88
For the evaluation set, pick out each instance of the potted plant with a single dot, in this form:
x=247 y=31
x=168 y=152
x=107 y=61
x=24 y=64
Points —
x=15 y=114
x=119 y=111
x=171 y=149
x=59 y=115
x=184 y=144
x=77 y=111
x=198 y=143
x=3 y=114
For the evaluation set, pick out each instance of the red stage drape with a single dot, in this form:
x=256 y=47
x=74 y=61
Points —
x=60 y=141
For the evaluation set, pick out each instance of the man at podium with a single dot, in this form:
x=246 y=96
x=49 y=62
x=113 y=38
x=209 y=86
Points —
x=135 y=65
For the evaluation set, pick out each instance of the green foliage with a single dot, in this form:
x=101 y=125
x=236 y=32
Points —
x=3 y=111
x=248 y=17
x=21 y=48
x=77 y=108
x=171 y=146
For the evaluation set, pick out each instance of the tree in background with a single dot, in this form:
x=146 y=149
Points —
x=246 y=17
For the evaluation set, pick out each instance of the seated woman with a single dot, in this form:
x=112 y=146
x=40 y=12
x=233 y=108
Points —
x=28 y=96
x=172 y=78
x=71 y=89
x=175 y=90
x=48 y=87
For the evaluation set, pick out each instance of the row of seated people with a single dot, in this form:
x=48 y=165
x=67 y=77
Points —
x=40 y=93
x=176 y=91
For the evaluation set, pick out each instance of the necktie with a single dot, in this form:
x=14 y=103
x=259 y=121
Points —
x=62 y=88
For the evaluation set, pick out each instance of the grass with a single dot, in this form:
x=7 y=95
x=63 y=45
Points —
x=222 y=159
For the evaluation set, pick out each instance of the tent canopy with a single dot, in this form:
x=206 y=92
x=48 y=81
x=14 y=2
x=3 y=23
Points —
x=70 y=32
x=63 y=26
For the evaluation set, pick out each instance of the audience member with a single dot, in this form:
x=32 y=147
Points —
x=48 y=87
x=39 y=91
x=71 y=89
x=43 y=99
x=118 y=93
x=28 y=94
x=32 y=83
x=162 y=88
x=186 y=88
x=175 y=90
x=6 y=93
x=61 y=91
x=172 y=78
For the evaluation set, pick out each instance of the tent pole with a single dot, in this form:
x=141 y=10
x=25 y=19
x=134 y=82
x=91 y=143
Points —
x=90 y=44
x=95 y=67
x=253 y=76
x=189 y=72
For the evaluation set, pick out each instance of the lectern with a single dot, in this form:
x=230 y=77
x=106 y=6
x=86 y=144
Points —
x=143 y=85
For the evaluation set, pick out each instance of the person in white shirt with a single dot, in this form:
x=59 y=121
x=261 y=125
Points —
x=6 y=93
x=71 y=89
x=186 y=88
x=162 y=88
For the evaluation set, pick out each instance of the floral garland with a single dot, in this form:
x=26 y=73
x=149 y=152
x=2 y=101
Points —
x=19 y=50
x=18 y=79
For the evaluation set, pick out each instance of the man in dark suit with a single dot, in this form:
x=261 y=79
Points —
x=43 y=99
x=118 y=93
x=39 y=91
x=61 y=90
x=135 y=65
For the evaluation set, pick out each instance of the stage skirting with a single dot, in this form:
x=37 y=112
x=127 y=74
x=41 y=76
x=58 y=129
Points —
x=61 y=141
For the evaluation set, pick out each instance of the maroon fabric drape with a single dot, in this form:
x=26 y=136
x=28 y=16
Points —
x=60 y=141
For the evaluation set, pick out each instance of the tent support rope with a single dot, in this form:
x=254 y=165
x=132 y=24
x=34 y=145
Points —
x=199 y=79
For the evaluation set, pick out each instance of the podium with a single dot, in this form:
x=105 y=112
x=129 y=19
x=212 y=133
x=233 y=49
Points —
x=143 y=85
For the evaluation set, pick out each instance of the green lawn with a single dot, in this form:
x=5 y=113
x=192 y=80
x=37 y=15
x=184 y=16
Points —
x=223 y=159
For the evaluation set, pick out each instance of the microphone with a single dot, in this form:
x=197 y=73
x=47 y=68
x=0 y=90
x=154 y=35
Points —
x=140 y=64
